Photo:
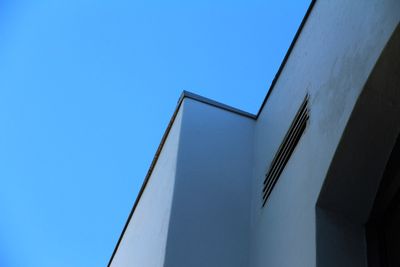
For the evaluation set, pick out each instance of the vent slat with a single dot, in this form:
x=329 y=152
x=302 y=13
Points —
x=281 y=149
x=289 y=147
x=282 y=164
x=286 y=149
x=287 y=142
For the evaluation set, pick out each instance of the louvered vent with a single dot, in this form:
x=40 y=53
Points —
x=286 y=149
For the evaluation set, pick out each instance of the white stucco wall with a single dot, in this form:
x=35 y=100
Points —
x=144 y=241
x=332 y=58
x=210 y=213
x=202 y=204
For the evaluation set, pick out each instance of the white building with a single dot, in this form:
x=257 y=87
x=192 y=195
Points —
x=322 y=154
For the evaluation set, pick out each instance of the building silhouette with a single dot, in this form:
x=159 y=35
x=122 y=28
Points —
x=312 y=179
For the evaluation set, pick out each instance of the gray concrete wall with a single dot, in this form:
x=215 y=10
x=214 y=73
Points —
x=210 y=213
x=144 y=241
x=332 y=59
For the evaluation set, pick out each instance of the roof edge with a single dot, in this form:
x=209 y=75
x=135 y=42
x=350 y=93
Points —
x=208 y=101
x=285 y=59
x=147 y=177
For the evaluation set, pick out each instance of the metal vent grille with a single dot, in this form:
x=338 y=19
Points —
x=286 y=149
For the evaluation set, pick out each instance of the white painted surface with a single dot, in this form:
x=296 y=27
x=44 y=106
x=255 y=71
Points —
x=334 y=55
x=210 y=215
x=202 y=205
x=144 y=242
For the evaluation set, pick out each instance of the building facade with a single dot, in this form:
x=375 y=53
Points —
x=312 y=179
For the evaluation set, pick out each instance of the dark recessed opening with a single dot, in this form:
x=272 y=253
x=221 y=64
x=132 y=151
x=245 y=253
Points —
x=383 y=227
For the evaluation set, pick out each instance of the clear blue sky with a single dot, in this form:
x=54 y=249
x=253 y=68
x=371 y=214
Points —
x=87 y=88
